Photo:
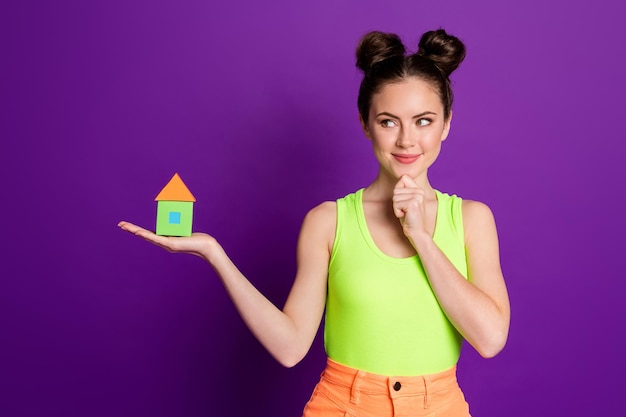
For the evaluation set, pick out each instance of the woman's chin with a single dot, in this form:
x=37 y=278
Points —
x=394 y=172
x=399 y=173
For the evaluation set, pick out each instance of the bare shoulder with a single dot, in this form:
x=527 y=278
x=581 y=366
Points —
x=478 y=219
x=475 y=210
x=323 y=212
x=320 y=223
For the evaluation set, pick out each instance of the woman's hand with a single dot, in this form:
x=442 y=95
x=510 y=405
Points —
x=198 y=244
x=409 y=206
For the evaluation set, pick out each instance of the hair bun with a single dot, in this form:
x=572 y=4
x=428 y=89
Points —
x=446 y=51
x=376 y=47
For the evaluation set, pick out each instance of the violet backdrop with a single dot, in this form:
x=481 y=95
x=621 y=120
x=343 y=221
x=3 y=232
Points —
x=254 y=105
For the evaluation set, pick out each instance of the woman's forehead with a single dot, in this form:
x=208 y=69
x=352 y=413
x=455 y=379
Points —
x=410 y=94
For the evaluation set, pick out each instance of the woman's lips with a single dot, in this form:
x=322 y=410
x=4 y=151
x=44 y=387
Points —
x=406 y=159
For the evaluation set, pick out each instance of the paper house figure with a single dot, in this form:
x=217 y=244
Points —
x=174 y=209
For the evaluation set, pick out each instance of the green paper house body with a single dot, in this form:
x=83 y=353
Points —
x=174 y=209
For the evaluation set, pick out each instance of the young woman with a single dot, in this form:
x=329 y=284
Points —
x=404 y=272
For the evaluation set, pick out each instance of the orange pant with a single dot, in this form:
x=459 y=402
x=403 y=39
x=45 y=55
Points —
x=348 y=392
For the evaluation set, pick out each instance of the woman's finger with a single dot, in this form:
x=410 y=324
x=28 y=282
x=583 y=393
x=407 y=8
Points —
x=162 y=241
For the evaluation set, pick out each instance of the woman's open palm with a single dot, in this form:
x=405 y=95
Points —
x=197 y=244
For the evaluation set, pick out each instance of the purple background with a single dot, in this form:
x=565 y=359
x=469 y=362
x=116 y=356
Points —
x=254 y=104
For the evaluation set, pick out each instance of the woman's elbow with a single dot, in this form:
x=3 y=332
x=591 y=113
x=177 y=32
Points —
x=493 y=346
x=291 y=358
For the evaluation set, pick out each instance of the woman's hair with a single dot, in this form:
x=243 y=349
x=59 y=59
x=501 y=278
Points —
x=382 y=58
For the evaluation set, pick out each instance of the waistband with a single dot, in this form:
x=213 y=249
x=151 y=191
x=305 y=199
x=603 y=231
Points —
x=395 y=386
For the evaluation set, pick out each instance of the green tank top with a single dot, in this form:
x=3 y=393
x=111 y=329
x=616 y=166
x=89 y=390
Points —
x=381 y=314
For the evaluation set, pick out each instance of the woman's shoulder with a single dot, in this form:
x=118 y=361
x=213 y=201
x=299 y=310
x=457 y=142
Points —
x=473 y=209
x=327 y=210
x=477 y=218
x=322 y=213
x=320 y=224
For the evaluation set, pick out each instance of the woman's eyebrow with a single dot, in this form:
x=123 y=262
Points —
x=422 y=114
x=417 y=116
x=384 y=113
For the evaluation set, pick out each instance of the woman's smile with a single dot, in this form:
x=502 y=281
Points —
x=406 y=158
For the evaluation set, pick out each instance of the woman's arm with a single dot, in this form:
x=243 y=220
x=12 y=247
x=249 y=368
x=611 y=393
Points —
x=479 y=306
x=286 y=334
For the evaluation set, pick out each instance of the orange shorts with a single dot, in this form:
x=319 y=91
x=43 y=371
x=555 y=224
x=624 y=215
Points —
x=348 y=392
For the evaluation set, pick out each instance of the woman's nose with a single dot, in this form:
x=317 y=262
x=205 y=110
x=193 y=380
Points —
x=405 y=139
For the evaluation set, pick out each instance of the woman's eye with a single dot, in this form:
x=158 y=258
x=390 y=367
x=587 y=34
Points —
x=423 y=122
x=387 y=123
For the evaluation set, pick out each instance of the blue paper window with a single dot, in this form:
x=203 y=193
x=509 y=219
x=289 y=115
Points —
x=174 y=217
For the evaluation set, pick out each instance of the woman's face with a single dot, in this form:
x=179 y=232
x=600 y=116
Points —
x=406 y=126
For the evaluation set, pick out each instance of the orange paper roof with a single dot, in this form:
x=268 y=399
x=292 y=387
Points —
x=175 y=190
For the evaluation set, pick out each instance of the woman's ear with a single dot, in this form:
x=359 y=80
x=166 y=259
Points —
x=446 y=128
x=364 y=127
